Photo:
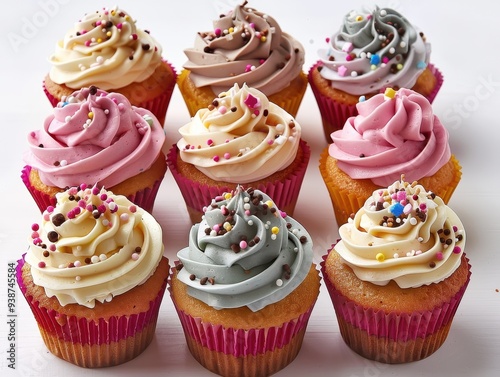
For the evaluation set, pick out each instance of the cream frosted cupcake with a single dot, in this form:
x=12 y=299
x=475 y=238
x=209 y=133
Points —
x=98 y=138
x=244 y=46
x=373 y=50
x=94 y=277
x=241 y=138
x=245 y=286
x=105 y=48
x=394 y=133
x=398 y=274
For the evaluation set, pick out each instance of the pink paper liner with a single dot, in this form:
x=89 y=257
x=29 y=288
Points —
x=335 y=114
x=144 y=198
x=198 y=196
x=89 y=332
x=395 y=326
x=158 y=106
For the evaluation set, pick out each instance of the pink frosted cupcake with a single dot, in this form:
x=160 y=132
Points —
x=94 y=277
x=398 y=274
x=97 y=138
x=241 y=138
x=245 y=286
x=372 y=50
x=105 y=48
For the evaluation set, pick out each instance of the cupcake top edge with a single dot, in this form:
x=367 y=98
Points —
x=374 y=49
x=92 y=246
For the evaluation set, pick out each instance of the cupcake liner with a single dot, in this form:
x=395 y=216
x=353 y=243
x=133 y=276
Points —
x=392 y=337
x=197 y=195
x=90 y=343
x=144 y=198
x=158 y=105
x=334 y=114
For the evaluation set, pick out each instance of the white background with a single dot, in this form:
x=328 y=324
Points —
x=465 y=47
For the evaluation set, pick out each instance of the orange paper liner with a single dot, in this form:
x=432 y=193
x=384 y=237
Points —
x=70 y=337
x=158 y=105
x=144 y=198
x=384 y=328
x=334 y=114
x=198 y=196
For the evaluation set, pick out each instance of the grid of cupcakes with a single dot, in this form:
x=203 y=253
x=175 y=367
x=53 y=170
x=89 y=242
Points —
x=239 y=165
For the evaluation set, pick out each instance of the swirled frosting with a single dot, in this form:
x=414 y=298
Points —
x=92 y=246
x=245 y=46
x=104 y=48
x=94 y=137
x=240 y=138
x=403 y=233
x=245 y=252
x=374 y=50
x=394 y=133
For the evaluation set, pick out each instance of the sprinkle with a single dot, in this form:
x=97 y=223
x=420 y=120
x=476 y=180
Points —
x=279 y=282
x=275 y=230
x=124 y=217
x=439 y=256
x=362 y=99
x=390 y=93
x=227 y=155
x=94 y=259
x=135 y=256
x=413 y=221
x=457 y=250
x=41 y=264
x=102 y=257
x=243 y=244
x=380 y=257
x=216 y=158
x=251 y=101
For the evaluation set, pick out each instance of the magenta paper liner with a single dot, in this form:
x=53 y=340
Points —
x=198 y=196
x=399 y=327
x=335 y=114
x=143 y=198
x=158 y=106
x=89 y=332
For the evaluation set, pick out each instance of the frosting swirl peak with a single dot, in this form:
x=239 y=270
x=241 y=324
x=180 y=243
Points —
x=245 y=252
x=403 y=233
x=393 y=133
x=240 y=138
x=93 y=246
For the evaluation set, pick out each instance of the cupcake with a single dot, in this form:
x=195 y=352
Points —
x=397 y=275
x=372 y=50
x=106 y=49
x=100 y=139
x=395 y=133
x=94 y=277
x=244 y=46
x=245 y=286
x=241 y=138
